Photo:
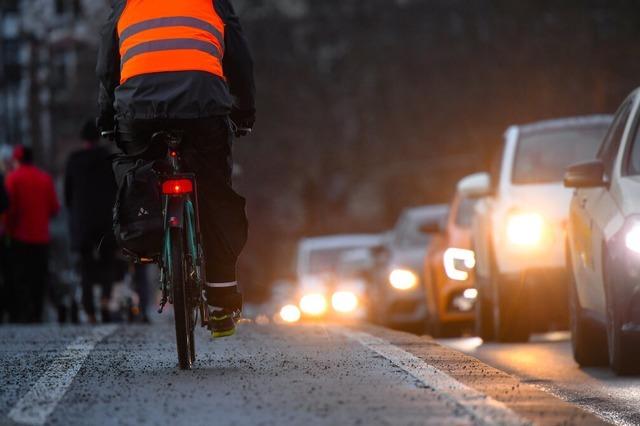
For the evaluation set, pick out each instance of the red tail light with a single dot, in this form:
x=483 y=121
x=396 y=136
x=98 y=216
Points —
x=177 y=187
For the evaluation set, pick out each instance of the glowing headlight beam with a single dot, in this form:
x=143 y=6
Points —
x=632 y=239
x=344 y=301
x=290 y=313
x=403 y=279
x=525 y=229
x=464 y=256
x=314 y=304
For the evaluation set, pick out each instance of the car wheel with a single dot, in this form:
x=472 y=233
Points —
x=432 y=325
x=510 y=310
x=374 y=309
x=623 y=350
x=484 y=314
x=588 y=339
x=483 y=323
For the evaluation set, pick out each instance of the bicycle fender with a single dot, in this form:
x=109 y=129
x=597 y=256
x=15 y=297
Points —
x=175 y=212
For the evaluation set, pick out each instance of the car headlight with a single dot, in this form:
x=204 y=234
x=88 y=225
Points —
x=314 y=304
x=290 y=313
x=632 y=238
x=525 y=229
x=344 y=301
x=403 y=279
x=458 y=262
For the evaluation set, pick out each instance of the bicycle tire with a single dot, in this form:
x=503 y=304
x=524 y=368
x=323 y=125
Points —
x=178 y=286
x=192 y=312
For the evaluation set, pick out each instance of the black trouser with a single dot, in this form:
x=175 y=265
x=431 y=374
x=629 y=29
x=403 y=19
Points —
x=5 y=278
x=96 y=267
x=29 y=281
x=206 y=151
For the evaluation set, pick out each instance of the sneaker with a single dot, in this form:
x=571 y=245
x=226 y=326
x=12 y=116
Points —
x=222 y=324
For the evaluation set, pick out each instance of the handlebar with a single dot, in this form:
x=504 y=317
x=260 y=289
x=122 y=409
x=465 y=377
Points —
x=109 y=134
x=240 y=131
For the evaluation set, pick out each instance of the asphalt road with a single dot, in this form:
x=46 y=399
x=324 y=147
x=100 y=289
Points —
x=547 y=362
x=267 y=374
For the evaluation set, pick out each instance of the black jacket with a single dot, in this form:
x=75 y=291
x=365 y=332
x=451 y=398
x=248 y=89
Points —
x=4 y=199
x=89 y=193
x=184 y=94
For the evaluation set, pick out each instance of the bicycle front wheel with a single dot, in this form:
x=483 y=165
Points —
x=176 y=263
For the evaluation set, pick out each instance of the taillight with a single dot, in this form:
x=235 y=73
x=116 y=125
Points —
x=177 y=186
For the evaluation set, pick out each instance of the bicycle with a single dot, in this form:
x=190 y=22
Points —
x=182 y=258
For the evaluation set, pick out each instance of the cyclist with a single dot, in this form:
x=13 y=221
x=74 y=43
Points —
x=185 y=65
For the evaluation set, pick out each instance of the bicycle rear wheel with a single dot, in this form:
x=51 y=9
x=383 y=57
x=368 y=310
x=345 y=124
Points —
x=177 y=276
x=193 y=271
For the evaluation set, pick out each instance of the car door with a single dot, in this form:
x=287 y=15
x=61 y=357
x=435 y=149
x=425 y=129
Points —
x=593 y=209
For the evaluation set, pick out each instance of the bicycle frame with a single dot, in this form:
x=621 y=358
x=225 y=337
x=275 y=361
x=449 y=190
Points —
x=180 y=210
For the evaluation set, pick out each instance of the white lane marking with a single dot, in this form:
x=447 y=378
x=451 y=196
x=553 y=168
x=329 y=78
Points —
x=482 y=408
x=37 y=404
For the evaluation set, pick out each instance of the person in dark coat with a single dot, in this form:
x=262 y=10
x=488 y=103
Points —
x=4 y=199
x=4 y=264
x=89 y=193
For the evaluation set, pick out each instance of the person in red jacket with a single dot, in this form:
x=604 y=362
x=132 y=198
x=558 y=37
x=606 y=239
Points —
x=32 y=204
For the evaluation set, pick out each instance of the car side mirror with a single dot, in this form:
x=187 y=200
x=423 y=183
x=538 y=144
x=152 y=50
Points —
x=585 y=175
x=477 y=185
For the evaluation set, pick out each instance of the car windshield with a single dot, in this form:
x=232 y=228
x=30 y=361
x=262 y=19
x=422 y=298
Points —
x=465 y=212
x=542 y=157
x=633 y=164
x=326 y=261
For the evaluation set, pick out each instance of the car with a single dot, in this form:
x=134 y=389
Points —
x=320 y=291
x=449 y=269
x=397 y=298
x=518 y=229
x=355 y=275
x=604 y=248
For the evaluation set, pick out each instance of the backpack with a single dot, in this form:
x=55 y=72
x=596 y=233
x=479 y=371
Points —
x=137 y=215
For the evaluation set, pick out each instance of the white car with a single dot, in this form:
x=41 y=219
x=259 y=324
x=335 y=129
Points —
x=398 y=296
x=604 y=248
x=320 y=289
x=518 y=229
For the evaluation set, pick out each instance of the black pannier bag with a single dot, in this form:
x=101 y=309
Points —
x=137 y=214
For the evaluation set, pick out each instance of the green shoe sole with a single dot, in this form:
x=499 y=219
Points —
x=223 y=333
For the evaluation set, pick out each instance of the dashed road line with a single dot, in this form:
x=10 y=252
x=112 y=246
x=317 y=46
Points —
x=482 y=408
x=36 y=405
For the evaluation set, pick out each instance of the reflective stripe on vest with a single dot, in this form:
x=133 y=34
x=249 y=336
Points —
x=168 y=35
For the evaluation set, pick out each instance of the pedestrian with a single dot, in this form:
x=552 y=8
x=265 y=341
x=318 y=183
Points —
x=4 y=198
x=32 y=204
x=89 y=193
x=4 y=279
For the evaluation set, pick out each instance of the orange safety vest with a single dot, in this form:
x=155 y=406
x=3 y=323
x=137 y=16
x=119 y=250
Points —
x=170 y=35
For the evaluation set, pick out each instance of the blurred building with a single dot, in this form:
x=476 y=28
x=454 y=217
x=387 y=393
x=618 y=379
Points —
x=47 y=82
